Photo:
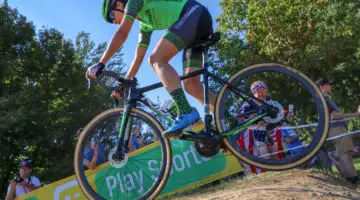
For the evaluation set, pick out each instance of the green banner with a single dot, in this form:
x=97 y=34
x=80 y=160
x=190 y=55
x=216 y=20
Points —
x=189 y=170
x=129 y=182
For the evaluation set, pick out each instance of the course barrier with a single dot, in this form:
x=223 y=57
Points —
x=189 y=170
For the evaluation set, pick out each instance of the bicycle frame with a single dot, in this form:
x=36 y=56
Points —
x=136 y=95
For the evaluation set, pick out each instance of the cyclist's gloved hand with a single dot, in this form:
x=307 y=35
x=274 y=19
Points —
x=95 y=70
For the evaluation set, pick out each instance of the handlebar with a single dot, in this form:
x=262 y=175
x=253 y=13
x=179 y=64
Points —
x=111 y=81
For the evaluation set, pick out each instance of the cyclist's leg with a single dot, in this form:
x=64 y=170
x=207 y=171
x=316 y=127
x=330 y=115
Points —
x=181 y=34
x=193 y=57
x=159 y=60
x=192 y=61
x=163 y=52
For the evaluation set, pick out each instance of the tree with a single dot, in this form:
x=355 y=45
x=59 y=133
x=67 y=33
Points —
x=44 y=98
x=319 y=38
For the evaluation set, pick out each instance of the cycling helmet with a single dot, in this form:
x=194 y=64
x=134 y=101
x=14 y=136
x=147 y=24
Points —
x=109 y=5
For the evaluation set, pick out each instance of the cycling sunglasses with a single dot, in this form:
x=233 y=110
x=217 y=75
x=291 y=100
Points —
x=113 y=7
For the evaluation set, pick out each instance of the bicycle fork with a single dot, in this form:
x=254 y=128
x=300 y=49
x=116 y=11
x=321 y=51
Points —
x=124 y=133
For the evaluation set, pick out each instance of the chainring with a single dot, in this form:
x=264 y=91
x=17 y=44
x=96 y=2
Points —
x=207 y=150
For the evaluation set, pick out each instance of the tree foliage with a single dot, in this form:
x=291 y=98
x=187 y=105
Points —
x=44 y=98
x=318 y=37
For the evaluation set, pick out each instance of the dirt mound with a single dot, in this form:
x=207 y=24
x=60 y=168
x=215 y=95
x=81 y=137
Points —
x=294 y=184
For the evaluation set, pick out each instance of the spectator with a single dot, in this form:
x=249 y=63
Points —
x=290 y=137
x=344 y=146
x=94 y=153
x=295 y=141
x=260 y=91
x=254 y=139
x=23 y=184
x=136 y=141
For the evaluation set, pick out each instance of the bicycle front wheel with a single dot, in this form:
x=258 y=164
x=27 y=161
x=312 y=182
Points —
x=140 y=174
x=284 y=140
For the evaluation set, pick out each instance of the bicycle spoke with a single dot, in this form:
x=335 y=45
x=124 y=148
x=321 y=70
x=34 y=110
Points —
x=104 y=176
x=145 y=174
x=106 y=131
x=267 y=146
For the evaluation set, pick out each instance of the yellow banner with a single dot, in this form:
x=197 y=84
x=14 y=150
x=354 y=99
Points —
x=186 y=163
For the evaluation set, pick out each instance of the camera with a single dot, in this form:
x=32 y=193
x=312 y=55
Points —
x=291 y=108
x=19 y=180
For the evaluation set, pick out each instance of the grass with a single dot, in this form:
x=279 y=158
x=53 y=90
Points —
x=236 y=180
x=224 y=183
x=357 y=167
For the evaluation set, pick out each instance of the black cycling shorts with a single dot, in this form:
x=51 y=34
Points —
x=194 y=24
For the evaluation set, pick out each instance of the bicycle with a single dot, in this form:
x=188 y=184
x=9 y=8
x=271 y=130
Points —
x=114 y=128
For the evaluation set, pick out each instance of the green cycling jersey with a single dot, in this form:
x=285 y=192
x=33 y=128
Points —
x=154 y=14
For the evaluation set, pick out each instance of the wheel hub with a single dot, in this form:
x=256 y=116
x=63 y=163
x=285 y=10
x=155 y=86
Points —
x=115 y=162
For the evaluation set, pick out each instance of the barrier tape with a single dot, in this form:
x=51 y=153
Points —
x=300 y=126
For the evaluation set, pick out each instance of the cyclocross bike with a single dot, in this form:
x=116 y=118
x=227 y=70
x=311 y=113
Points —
x=142 y=173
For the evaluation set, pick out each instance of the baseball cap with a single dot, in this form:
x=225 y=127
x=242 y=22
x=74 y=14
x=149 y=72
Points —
x=25 y=163
x=324 y=81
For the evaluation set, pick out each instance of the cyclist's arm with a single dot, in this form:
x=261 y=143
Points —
x=117 y=40
x=120 y=36
x=144 y=41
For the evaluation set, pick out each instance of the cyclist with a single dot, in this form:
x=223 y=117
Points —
x=186 y=21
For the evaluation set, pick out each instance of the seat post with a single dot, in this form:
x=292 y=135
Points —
x=205 y=60
x=208 y=116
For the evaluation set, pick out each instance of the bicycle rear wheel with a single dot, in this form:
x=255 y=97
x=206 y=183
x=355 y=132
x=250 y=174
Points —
x=141 y=174
x=271 y=143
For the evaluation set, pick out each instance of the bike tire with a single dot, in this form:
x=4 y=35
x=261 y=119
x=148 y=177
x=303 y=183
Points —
x=312 y=88
x=165 y=167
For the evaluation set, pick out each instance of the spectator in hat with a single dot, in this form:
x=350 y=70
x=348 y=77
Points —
x=23 y=184
x=344 y=145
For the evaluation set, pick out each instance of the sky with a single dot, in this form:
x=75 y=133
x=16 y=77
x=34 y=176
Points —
x=72 y=16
